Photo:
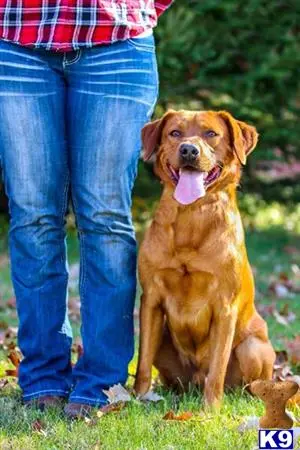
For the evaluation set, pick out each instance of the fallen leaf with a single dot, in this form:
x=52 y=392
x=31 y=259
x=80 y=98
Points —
x=283 y=286
x=112 y=407
x=117 y=393
x=296 y=270
x=11 y=345
x=14 y=358
x=282 y=368
x=11 y=303
x=150 y=396
x=39 y=427
x=8 y=337
x=170 y=415
x=77 y=348
x=266 y=310
x=11 y=372
x=3 y=383
x=74 y=308
x=293 y=349
x=279 y=289
x=282 y=319
x=281 y=357
x=91 y=422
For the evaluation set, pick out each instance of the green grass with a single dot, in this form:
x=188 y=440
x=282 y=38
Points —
x=140 y=426
x=135 y=427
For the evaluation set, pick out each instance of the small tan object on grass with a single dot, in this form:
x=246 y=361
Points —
x=275 y=395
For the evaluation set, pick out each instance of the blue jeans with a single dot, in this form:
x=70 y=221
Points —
x=70 y=128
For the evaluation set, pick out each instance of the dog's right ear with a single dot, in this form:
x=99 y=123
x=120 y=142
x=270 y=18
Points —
x=151 y=135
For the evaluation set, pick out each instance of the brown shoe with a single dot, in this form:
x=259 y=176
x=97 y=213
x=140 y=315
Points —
x=44 y=402
x=77 y=410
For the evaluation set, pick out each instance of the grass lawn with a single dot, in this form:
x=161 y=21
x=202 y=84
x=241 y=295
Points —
x=140 y=426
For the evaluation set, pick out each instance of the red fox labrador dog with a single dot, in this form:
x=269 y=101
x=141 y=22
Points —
x=198 y=320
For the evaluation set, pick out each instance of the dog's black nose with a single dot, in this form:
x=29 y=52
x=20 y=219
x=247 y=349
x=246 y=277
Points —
x=188 y=152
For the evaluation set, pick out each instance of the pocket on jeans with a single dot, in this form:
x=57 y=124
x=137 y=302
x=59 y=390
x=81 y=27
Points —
x=146 y=44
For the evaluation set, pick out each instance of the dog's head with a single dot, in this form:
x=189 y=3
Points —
x=198 y=152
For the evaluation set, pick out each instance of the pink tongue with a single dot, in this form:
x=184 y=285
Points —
x=190 y=186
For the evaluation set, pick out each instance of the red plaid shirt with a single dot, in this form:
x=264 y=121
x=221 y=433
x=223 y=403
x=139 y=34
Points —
x=66 y=25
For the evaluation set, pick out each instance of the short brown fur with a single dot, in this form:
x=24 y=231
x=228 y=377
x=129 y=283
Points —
x=198 y=319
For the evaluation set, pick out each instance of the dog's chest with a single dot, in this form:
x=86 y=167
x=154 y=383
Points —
x=188 y=307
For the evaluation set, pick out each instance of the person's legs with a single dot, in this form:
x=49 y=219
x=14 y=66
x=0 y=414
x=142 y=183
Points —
x=112 y=92
x=35 y=167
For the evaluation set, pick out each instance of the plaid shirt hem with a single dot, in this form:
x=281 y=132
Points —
x=66 y=25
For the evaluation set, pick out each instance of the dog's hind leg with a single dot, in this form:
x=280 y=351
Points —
x=256 y=359
x=172 y=371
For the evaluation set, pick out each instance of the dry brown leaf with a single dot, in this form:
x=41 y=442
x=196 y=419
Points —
x=11 y=303
x=39 y=427
x=77 y=348
x=14 y=358
x=113 y=407
x=11 y=373
x=170 y=415
x=283 y=286
x=282 y=368
x=266 y=310
x=281 y=357
x=11 y=346
x=293 y=349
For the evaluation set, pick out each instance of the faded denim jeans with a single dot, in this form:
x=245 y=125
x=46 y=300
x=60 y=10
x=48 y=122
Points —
x=70 y=128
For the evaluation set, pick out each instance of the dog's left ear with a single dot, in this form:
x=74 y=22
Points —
x=243 y=137
x=151 y=135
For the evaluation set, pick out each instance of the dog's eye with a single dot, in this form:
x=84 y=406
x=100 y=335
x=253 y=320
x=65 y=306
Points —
x=175 y=133
x=210 y=134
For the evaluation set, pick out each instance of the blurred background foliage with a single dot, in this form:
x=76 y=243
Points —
x=243 y=57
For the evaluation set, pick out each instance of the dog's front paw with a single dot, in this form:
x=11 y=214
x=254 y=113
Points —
x=212 y=396
x=142 y=385
x=199 y=378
